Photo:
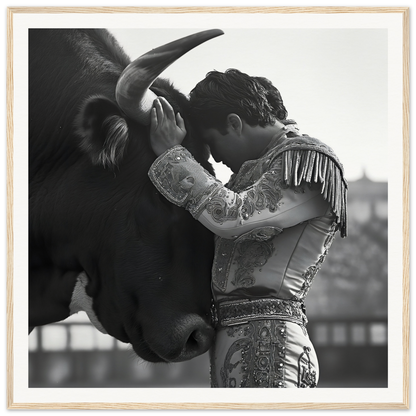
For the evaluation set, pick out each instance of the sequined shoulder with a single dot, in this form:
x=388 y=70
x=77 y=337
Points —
x=306 y=159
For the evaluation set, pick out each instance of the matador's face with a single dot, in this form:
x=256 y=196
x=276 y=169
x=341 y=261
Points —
x=230 y=148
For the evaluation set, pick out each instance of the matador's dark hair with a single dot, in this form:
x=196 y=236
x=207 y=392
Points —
x=255 y=99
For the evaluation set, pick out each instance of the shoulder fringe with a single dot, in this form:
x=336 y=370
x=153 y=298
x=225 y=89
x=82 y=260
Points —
x=314 y=166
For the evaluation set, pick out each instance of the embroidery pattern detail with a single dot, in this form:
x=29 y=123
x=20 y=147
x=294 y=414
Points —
x=196 y=204
x=257 y=358
x=311 y=271
x=224 y=250
x=260 y=234
x=250 y=255
x=222 y=210
x=306 y=375
x=239 y=312
x=265 y=194
x=182 y=180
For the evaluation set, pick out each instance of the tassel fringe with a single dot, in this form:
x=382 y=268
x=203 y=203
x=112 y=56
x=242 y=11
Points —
x=313 y=166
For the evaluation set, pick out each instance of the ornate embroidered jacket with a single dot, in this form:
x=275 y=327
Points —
x=275 y=221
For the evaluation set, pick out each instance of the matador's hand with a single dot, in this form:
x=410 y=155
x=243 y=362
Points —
x=166 y=129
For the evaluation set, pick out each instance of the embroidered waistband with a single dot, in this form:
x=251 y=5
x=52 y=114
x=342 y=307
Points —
x=243 y=311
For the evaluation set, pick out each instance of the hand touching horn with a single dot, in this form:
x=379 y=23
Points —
x=166 y=129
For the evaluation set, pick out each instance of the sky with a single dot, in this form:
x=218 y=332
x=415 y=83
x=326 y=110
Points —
x=333 y=81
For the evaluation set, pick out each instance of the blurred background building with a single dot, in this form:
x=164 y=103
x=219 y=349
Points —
x=347 y=310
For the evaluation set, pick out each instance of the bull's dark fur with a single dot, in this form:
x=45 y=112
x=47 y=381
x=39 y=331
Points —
x=93 y=208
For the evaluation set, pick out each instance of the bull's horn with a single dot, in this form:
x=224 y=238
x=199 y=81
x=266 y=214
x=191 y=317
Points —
x=132 y=90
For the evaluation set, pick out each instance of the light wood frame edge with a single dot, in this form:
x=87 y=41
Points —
x=405 y=10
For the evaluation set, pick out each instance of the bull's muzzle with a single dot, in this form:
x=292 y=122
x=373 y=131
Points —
x=132 y=90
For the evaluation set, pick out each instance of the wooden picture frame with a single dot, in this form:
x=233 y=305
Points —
x=396 y=396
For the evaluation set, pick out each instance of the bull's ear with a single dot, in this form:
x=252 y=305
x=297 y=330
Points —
x=103 y=131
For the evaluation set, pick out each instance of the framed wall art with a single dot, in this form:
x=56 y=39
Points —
x=345 y=72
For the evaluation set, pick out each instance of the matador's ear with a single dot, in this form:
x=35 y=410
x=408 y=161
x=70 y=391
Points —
x=234 y=123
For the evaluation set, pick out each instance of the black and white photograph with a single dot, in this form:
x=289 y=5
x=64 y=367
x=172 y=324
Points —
x=206 y=201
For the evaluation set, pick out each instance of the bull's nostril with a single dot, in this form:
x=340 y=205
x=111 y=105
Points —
x=199 y=340
x=196 y=339
x=193 y=339
x=189 y=337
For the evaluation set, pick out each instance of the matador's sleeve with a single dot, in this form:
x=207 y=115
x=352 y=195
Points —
x=267 y=204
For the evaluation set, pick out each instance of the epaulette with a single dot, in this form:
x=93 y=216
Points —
x=309 y=160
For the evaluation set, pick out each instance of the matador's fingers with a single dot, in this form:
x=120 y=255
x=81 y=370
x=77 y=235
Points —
x=167 y=108
x=153 y=120
x=159 y=110
x=180 y=122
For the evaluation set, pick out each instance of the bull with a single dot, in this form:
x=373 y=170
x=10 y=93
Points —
x=93 y=211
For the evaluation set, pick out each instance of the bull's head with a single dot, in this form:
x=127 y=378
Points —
x=132 y=92
x=159 y=258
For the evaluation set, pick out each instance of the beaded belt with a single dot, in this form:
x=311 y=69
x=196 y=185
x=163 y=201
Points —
x=243 y=311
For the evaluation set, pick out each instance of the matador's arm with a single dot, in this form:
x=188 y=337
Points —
x=269 y=202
